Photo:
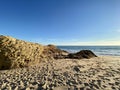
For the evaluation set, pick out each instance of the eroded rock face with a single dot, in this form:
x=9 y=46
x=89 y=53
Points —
x=16 y=53
x=82 y=54
x=53 y=51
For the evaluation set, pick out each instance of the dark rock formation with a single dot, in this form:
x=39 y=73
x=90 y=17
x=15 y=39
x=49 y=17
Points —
x=82 y=54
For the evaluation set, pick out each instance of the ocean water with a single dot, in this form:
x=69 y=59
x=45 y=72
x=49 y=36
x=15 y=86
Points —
x=98 y=50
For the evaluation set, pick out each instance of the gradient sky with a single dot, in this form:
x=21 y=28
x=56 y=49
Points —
x=62 y=22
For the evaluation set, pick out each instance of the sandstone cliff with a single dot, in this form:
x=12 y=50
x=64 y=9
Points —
x=18 y=53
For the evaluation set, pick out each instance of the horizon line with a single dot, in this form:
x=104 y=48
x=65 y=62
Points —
x=85 y=45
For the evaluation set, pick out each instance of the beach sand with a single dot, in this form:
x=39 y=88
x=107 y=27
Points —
x=99 y=73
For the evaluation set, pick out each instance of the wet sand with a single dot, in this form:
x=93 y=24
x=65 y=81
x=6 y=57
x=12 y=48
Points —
x=99 y=73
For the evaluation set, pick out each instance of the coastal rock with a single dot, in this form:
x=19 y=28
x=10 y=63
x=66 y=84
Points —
x=82 y=54
x=56 y=53
x=16 y=53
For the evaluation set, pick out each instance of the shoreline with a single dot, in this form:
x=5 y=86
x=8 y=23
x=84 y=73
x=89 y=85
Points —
x=102 y=72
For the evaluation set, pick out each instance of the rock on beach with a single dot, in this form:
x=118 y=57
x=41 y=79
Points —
x=15 y=53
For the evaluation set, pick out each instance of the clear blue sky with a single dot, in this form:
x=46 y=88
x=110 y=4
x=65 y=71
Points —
x=62 y=22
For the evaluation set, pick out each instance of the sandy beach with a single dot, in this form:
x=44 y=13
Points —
x=99 y=73
x=59 y=44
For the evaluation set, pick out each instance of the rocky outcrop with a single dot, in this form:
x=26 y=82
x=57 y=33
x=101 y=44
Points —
x=82 y=54
x=17 y=53
x=53 y=51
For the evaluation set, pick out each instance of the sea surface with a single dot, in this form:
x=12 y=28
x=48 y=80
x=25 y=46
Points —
x=98 y=50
